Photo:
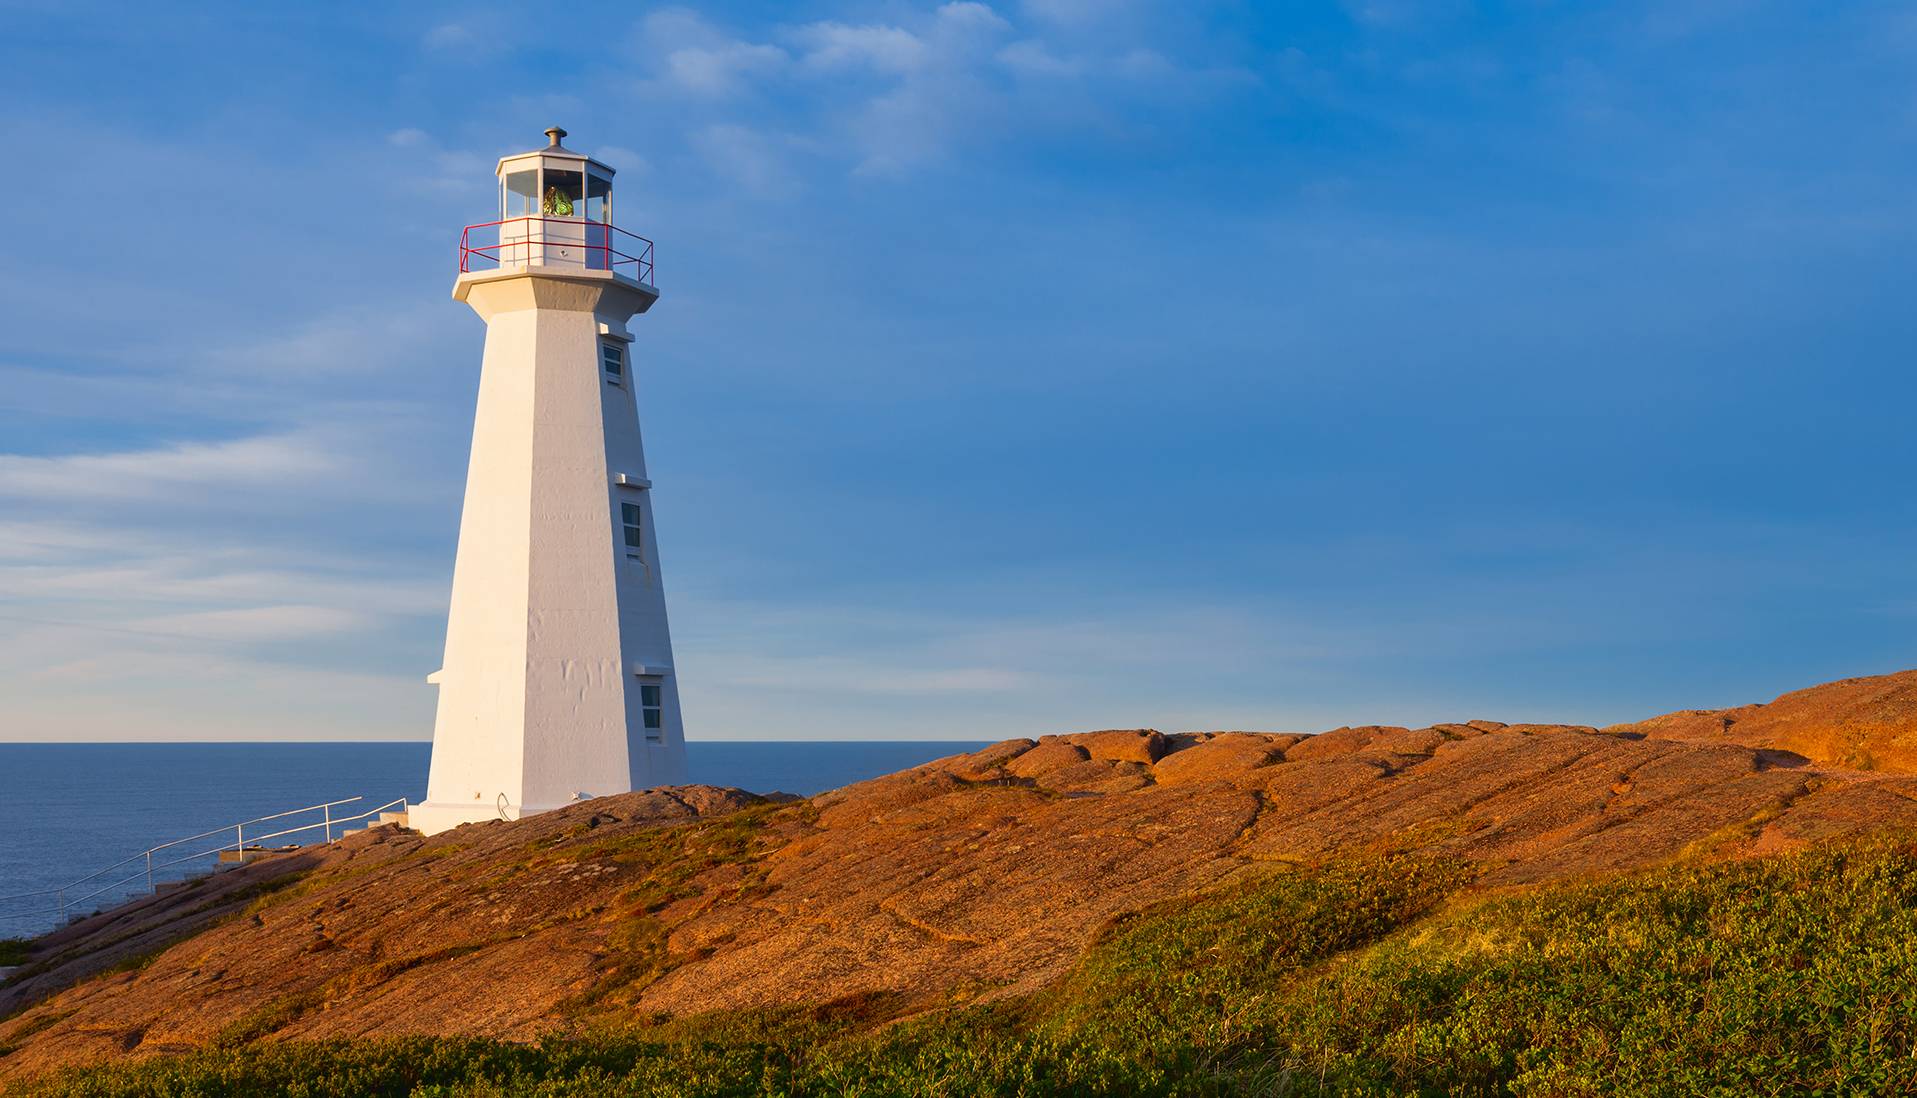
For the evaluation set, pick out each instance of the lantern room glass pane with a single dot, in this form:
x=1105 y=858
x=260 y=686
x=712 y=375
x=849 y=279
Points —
x=598 y=198
x=522 y=194
x=564 y=195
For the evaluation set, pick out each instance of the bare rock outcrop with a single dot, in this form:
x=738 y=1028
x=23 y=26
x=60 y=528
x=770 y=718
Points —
x=975 y=876
x=1860 y=724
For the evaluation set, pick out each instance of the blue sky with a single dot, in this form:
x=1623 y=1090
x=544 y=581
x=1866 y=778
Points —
x=1020 y=368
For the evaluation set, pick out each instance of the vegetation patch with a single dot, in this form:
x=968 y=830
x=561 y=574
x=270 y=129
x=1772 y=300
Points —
x=672 y=863
x=27 y=1029
x=1789 y=975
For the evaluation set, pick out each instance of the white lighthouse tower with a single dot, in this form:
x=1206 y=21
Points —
x=558 y=682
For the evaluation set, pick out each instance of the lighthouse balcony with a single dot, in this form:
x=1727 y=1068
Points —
x=562 y=243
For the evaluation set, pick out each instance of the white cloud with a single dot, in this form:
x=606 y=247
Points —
x=1076 y=12
x=77 y=567
x=840 y=45
x=669 y=28
x=254 y=623
x=357 y=339
x=967 y=17
x=847 y=676
x=476 y=36
x=434 y=168
x=896 y=96
x=745 y=156
x=722 y=71
x=451 y=36
x=110 y=687
x=941 y=88
x=1143 y=64
x=118 y=630
x=702 y=61
x=1413 y=15
x=196 y=468
x=627 y=162
x=757 y=670
x=1031 y=57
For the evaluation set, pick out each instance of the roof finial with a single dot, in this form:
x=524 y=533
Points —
x=556 y=134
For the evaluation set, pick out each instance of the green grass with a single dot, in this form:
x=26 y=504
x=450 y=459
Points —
x=1791 y=975
x=13 y=951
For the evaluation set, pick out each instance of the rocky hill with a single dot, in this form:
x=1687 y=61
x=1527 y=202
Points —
x=975 y=878
x=1861 y=724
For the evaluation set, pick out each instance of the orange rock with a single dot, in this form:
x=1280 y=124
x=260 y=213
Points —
x=1340 y=741
x=1222 y=756
x=1140 y=745
x=1049 y=755
x=1859 y=724
x=986 y=763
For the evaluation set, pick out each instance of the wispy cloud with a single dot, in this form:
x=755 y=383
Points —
x=255 y=623
x=889 y=98
x=111 y=564
x=199 y=469
x=359 y=339
x=1031 y=56
x=725 y=70
x=831 y=46
x=749 y=159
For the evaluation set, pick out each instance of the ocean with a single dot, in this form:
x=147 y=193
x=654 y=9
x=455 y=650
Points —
x=68 y=810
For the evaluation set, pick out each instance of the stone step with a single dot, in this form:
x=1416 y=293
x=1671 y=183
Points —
x=386 y=819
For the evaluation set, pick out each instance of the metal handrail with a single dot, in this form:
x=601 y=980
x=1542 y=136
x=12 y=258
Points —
x=239 y=846
x=642 y=265
x=332 y=822
x=149 y=851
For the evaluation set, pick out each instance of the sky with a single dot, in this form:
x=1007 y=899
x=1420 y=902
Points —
x=1027 y=367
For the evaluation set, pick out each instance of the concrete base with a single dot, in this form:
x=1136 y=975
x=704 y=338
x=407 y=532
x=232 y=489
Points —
x=432 y=818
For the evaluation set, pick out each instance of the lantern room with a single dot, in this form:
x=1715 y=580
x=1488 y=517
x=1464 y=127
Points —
x=555 y=182
x=555 y=211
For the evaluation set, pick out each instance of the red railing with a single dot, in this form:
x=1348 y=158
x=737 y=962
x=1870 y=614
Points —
x=526 y=241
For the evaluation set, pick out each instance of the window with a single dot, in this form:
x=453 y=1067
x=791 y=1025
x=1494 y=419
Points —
x=564 y=193
x=650 y=710
x=598 y=211
x=630 y=518
x=613 y=357
x=598 y=198
x=522 y=194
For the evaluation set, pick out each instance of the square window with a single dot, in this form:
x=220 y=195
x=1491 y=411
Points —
x=632 y=521
x=651 y=711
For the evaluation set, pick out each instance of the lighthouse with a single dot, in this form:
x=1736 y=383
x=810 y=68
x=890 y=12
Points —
x=558 y=682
